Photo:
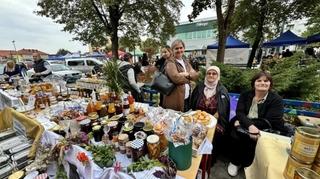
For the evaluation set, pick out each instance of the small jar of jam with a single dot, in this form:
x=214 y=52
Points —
x=85 y=125
x=123 y=139
x=97 y=133
x=137 y=149
x=128 y=149
x=113 y=128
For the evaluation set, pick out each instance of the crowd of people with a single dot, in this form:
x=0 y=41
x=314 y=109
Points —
x=258 y=109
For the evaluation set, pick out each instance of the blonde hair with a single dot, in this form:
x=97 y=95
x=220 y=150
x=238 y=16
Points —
x=167 y=48
x=10 y=64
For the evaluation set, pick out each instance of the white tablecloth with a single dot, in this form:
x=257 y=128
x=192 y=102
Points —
x=270 y=157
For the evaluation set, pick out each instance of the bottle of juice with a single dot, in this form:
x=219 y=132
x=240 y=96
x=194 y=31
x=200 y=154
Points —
x=131 y=103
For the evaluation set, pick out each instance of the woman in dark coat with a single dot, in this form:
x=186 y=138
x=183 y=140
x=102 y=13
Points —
x=254 y=108
x=211 y=96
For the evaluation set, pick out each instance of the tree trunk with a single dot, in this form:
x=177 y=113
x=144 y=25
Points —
x=223 y=26
x=115 y=16
x=221 y=46
x=115 y=43
x=259 y=34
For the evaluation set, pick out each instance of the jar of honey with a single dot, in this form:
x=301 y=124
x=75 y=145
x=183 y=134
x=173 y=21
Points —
x=153 y=144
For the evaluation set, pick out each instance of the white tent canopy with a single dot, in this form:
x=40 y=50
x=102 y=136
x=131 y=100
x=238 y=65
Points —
x=236 y=52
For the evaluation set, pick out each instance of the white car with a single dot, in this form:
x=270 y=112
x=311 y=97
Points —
x=70 y=76
x=84 y=64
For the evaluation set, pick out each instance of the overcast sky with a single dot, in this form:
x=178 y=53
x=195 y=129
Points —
x=19 y=23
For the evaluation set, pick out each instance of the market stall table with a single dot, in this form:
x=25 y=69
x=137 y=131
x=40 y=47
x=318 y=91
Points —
x=270 y=157
x=191 y=173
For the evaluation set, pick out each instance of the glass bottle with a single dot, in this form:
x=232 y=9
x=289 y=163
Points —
x=126 y=109
x=90 y=107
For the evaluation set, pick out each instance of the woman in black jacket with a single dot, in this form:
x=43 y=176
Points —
x=256 y=110
x=211 y=96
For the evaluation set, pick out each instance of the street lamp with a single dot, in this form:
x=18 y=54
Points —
x=14 y=45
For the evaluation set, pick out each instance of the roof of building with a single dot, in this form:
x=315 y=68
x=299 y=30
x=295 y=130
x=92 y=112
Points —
x=30 y=52
x=7 y=53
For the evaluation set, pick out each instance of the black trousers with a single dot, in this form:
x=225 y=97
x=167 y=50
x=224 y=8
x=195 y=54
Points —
x=242 y=150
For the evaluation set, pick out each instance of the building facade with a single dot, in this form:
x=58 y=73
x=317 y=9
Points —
x=197 y=34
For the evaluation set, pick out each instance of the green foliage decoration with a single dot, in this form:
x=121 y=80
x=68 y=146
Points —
x=112 y=76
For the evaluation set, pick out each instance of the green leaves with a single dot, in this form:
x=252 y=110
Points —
x=103 y=156
x=144 y=164
x=93 y=21
x=112 y=76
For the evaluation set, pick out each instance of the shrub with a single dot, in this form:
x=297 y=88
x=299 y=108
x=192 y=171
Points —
x=291 y=80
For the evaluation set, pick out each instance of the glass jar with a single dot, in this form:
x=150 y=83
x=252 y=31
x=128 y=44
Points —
x=137 y=149
x=115 y=140
x=113 y=128
x=153 y=145
x=128 y=149
x=163 y=141
x=85 y=125
x=97 y=133
x=111 y=109
x=138 y=126
x=103 y=112
x=123 y=139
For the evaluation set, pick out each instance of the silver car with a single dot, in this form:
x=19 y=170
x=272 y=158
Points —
x=70 y=76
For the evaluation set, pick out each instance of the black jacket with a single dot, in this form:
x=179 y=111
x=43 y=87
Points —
x=271 y=110
x=223 y=101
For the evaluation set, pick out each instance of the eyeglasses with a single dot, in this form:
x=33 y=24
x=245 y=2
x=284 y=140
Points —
x=211 y=73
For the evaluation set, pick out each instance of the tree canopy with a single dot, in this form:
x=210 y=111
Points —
x=150 y=46
x=266 y=19
x=313 y=22
x=62 y=52
x=92 y=21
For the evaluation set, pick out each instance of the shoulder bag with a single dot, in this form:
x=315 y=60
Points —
x=162 y=83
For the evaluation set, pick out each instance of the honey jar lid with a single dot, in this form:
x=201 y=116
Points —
x=123 y=136
x=96 y=128
x=112 y=123
x=306 y=173
x=153 y=139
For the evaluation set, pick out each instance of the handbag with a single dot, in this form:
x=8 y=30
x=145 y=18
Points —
x=262 y=123
x=162 y=83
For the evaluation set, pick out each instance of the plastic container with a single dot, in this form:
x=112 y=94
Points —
x=181 y=155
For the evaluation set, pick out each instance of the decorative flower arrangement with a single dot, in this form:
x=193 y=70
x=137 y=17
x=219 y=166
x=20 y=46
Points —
x=83 y=158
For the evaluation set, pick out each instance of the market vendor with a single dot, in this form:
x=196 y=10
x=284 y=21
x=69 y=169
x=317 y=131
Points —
x=211 y=96
x=41 y=67
x=129 y=77
x=12 y=69
x=257 y=109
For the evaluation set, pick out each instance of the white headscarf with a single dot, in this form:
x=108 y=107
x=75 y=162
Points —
x=210 y=89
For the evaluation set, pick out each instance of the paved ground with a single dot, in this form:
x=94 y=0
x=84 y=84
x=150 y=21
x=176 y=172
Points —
x=219 y=170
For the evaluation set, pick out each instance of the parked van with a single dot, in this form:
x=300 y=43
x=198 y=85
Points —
x=84 y=65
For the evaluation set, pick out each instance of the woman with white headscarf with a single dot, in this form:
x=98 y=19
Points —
x=211 y=96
